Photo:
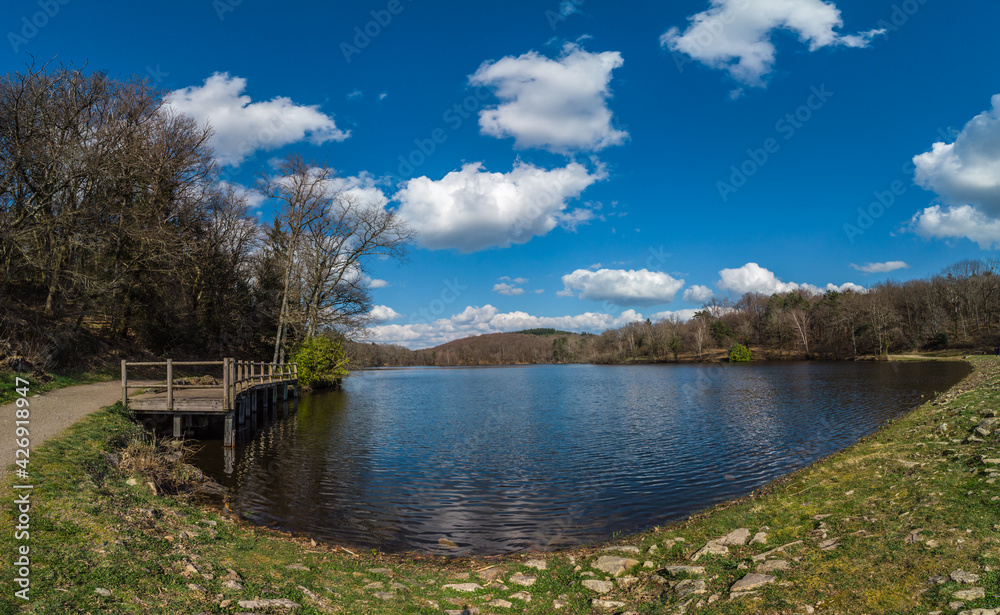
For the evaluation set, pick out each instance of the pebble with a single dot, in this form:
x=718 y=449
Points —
x=100 y=591
x=522 y=579
x=607 y=604
x=961 y=576
x=463 y=587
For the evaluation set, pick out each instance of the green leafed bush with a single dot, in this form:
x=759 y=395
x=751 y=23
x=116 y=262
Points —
x=740 y=354
x=322 y=363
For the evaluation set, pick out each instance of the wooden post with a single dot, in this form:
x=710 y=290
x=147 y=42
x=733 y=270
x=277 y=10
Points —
x=225 y=385
x=170 y=388
x=284 y=387
x=227 y=436
x=177 y=426
x=124 y=384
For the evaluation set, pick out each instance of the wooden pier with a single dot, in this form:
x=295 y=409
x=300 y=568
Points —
x=245 y=389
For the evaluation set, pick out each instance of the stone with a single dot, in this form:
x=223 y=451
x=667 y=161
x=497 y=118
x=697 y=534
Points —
x=385 y=595
x=448 y=544
x=380 y=570
x=627 y=581
x=751 y=581
x=397 y=586
x=773 y=564
x=974 y=593
x=821 y=517
x=980 y=611
x=938 y=580
x=523 y=596
x=537 y=564
x=601 y=587
x=375 y=585
x=961 y=576
x=653 y=549
x=233 y=585
x=988 y=424
x=622 y=548
x=689 y=587
x=829 y=545
x=559 y=604
x=760 y=538
x=736 y=538
x=522 y=579
x=297 y=567
x=100 y=591
x=500 y=602
x=711 y=548
x=606 y=604
x=614 y=565
x=490 y=574
x=913 y=537
x=676 y=570
x=463 y=587
x=270 y=603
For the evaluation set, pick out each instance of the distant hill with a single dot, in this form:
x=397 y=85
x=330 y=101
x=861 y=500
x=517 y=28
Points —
x=545 y=332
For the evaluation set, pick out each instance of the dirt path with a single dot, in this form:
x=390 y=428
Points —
x=54 y=411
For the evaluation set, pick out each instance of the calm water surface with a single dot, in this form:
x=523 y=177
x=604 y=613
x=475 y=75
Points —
x=543 y=457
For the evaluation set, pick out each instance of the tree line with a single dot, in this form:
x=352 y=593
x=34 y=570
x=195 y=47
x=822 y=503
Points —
x=958 y=308
x=115 y=223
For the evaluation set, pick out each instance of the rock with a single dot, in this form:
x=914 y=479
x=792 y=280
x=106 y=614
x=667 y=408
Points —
x=980 y=611
x=606 y=604
x=375 y=585
x=676 y=570
x=500 y=602
x=233 y=585
x=736 y=538
x=397 y=586
x=954 y=606
x=938 y=580
x=463 y=587
x=297 y=567
x=627 y=581
x=100 y=591
x=821 y=517
x=523 y=596
x=689 y=587
x=132 y=482
x=559 y=604
x=961 y=576
x=913 y=537
x=760 y=538
x=384 y=595
x=711 y=548
x=522 y=579
x=622 y=548
x=614 y=565
x=974 y=593
x=448 y=544
x=653 y=549
x=989 y=461
x=490 y=574
x=538 y=564
x=988 y=424
x=269 y=603
x=751 y=581
x=829 y=545
x=773 y=564
x=380 y=570
x=601 y=587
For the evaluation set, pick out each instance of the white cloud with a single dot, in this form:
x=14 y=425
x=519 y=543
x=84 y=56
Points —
x=623 y=287
x=698 y=294
x=355 y=94
x=881 y=267
x=383 y=313
x=507 y=289
x=735 y=35
x=472 y=209
x=241 y=127
x=966 y=172
x=752 y=278
x=253 y=198
x=956 y=222
x=520 y=280
x=559 y=105
x=680 y=315
x=487 y=319
x=566 y=292
x=375 y=283
x=382 y=96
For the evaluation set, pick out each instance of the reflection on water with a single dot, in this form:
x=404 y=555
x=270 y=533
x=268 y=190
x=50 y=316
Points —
x=542 y=457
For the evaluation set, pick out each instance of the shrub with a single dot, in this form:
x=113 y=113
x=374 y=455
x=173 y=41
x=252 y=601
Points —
x=322 y=363
x=740 y=354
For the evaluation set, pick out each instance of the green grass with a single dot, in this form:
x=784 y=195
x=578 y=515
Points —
x=8 y=383
x=91 y=529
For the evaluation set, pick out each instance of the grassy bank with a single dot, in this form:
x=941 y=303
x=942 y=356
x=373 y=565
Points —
x=8 y=383
x=879 y=528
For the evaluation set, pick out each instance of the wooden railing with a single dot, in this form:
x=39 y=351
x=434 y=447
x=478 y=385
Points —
x=237 y=377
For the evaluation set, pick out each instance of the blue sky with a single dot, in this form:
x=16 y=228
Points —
x=580 y=164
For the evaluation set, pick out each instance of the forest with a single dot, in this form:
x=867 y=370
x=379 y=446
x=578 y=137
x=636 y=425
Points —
x=956 y=309
x=120 y=237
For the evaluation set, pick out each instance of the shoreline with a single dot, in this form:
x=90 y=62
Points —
x=638 y=572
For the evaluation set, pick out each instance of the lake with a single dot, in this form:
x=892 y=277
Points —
x=490 y=460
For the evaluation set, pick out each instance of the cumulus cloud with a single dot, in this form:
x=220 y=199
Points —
x=966 y=172
x=698 y=294
x=374 y=283
x=241 y=127
x=881 y=267
x=735 y=35
x=623 y=287
x=383 y=313
x=957 y=222
x=752 y=278
x=560 y=105
x=488 y=319
x=472 y=209
x=507 y=289
x=678 y=315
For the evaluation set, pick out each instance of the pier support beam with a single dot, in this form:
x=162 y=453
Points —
x=177 y=426
x=227 y=435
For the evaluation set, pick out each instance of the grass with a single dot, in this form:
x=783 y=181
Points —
x=8 y=383
x=92 y=529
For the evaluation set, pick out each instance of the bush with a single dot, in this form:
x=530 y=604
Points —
x=322 y=363
x=740 y=354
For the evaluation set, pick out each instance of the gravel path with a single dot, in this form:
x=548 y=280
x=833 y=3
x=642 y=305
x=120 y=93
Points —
x=54 y=411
